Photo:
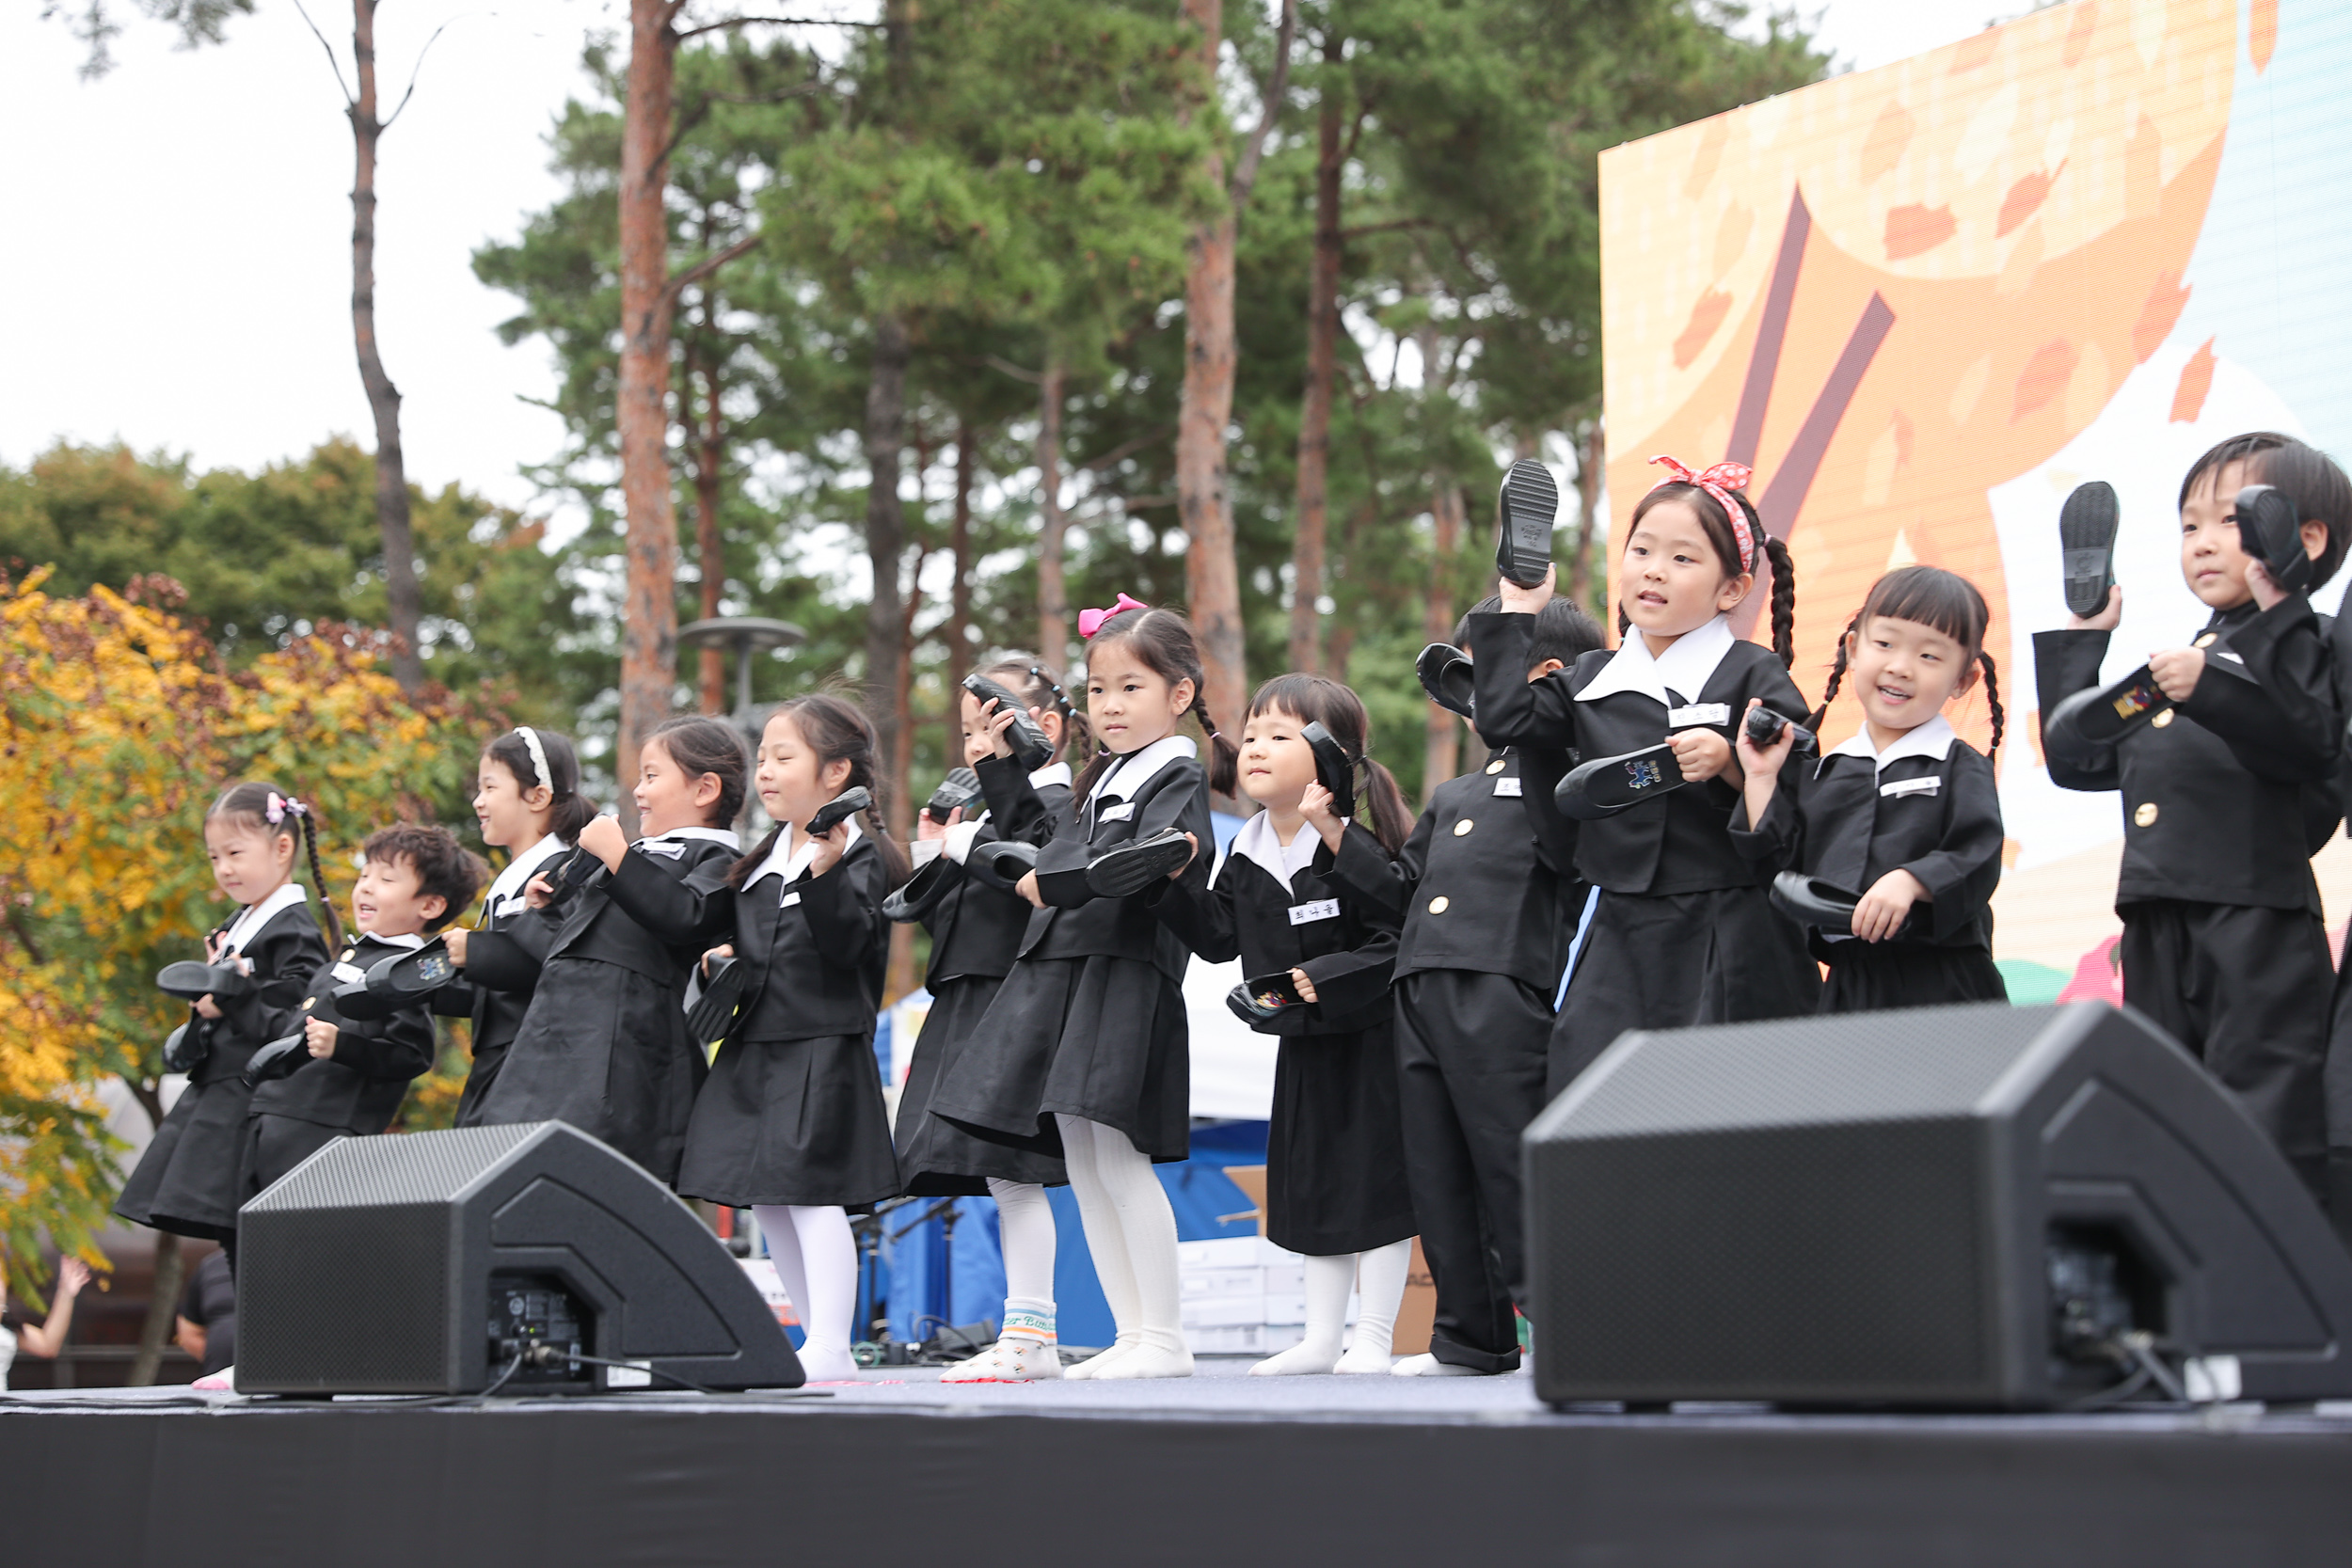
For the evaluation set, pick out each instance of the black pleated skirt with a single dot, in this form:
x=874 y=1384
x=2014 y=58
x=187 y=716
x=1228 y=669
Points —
x=274 y=1144
x=487 y=1059
x=792 y=1121
x=1335 y=1148
x=938 y=1158
x=603 y=1049
x=189 y=1180
x=1670 y=961
x=1871 y=977
x=1102 y=1039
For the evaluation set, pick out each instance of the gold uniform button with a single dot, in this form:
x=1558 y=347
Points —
x=1462 y=826
x=1440 y=904
x=307 y=1001
x=2146 y=815
x=2207 y=641
x=1496 y=765
x=2161 y=720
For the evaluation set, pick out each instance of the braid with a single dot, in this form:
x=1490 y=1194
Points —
x=318 y=879
x=1224 y=756
x=1992 y=695
x=1784 y=600
x=1837 y=674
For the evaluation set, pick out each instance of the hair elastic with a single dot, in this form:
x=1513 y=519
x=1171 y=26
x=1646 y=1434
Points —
x=280 y=807
x=538 y=755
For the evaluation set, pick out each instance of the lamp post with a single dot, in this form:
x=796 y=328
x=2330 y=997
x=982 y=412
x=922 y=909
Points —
x=746 y=635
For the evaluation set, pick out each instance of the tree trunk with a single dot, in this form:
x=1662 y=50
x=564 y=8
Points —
x=708 y=547
x=1441 y=757
x=392 y=478
x=1212 y=577
x=1053 y=594
x=885 y=532
x=649 y=599
x=163 y=1308
x=1314 y=415
x=1592 y=458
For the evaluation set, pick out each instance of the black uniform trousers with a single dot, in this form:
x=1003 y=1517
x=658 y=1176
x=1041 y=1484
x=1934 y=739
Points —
x=1471 y=1069
x=2246 y=991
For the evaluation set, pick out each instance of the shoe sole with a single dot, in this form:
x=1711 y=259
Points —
x=1611 y=784
x=2087 y=527
x=1132 y=871
x=1529 y=508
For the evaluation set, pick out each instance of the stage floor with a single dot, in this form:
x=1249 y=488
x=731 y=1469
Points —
x=1220 y=1468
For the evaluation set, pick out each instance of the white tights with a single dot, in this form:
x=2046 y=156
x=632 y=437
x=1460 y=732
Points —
x=1026 y=1223
x=816 y=1258
x=1378 y=1279
x=1132 y=1233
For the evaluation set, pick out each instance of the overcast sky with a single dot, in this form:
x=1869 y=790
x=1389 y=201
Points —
x=177 y=268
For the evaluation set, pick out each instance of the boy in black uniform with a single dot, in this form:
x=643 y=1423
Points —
x=2228 y=794
x=353 y=1075
x=1481 y=899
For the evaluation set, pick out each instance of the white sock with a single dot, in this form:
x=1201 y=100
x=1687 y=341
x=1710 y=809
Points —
x=1025 y=1222
x=1146 y=1231
x=1328 y=1280
x=1379 y=1292
x=1427 y=1364
x=816 y=1258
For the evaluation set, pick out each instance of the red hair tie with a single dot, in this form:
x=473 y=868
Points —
x=1090 y=621
x=1720 y=482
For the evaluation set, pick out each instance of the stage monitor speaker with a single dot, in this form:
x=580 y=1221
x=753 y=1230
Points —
x=1971 y=1206
x=440 y=1262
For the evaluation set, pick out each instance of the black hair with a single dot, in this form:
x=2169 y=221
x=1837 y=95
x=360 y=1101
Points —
x=837 y=729
x=247 y=804
x=442 y=865
x=1717 y=522
x=1929 y=597
x=1035 y=680
x=699 y=746
x=1563 y=632
x=1163 y=640
x=570 y=811
x=1486 y=606
x=2305 y=475
x=1317 y=699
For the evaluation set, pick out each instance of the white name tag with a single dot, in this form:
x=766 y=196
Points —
x=1698 y=713
x=789 y=900
x=1322 y=909
x=1507 y=787
x=2235 y=658
x=1931 y=784
x=511 y=904
x=667 y=851
x=1119 y=813
x=349 y=972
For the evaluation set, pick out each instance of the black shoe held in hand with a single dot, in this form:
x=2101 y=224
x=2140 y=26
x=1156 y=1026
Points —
x=1010 y=859
x=1030 y=747
x=2087 y=524
x=1524 y=512
x=1131 y=867
x=960 y=788
x=188 y=980
x=1764 y=727
x=1607 y=785
x=839 y=810
x=2268 y=530
x=1334 y=770
x=1445 y=673
x=185 y=1048
x=1255 y=1001
x=279 y=1058
x=712 y=1017
x=2101 y=716
x=403 y=980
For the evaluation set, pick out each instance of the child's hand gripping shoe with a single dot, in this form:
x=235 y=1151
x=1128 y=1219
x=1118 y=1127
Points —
x=190 y=979
x=1524 y=514
x=1607 y=785
x=279 y=1058
x=839 y=810
x=1255 y=1001
x=712 y=1019
x=1030 y=747
x=2101 y=715
x=1334 y=770
x=2268 y=530
x=1127 y=869
x=1824 y=906
x=403 y=980
x=1764 y=727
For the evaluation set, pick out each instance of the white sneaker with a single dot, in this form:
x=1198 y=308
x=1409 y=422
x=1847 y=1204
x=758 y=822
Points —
x=1016 y=1360
x=1425 y=1365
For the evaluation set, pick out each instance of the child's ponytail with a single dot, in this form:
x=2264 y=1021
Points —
x=1224 y=756
x=1992 y=695
x=1784 y=607
x=1837 y=676
x=318 y=877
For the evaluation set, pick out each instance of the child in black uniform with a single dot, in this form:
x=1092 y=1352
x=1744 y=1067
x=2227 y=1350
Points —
x=975 y=920
x=1683 y=932
x=527 y=799
x=1481 y=898
x=1085 y=1049
x=2226 y=795
x=603 y=1044
x=1335 y=1154
x=791 y=1123
x=187 y=1181
x=350 y=1079
x=1906 y=812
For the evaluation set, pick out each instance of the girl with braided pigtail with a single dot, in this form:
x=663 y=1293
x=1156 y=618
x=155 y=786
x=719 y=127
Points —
x=1905 y=814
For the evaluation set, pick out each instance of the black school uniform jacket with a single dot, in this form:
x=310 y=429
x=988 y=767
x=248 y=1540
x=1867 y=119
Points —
x=361 y=1086
x=1471 y=889
x=593 y=923
x=1074 y=924
x=287 y=955
x=1344 y=941
x=817 y=945
x=1930 y=807
x=1677 y=843
x=976 y=918
x=2227 y=797
x=503 y=957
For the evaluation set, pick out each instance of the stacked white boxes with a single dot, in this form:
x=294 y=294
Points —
x=1243 y=1295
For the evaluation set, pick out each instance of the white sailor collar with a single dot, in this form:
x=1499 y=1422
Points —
x=411 y=941
x=1931 y=739
x=679 y=835
x=1684 y=667
x=509 y=883
x=1257 y=841
x=253 y=917
x=1052 y=773
x=1134 y=770
x=791 y=854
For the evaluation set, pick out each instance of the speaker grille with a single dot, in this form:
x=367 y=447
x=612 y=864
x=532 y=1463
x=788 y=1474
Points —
x=355 y=1298
x=369 y=1173
x=1921 y=1064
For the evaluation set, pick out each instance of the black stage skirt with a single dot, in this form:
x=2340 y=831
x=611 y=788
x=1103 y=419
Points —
x=1669 y=961
x=1335 y=1150
x=487 y=1059
x=1871 y=977
x=275 y=1145
x=792 y=1121
x=937 y=1158
x=188 y=1180
x=1101 y=1039
x=604 y=1049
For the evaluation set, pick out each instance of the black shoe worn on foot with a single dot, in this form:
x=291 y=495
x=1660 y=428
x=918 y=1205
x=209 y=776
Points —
x=2087 y=524
x=1445 y=673
x=1334 y=769
x=279 y=1058
x=1131 y=867
x=2268 y=530
x=1607 y=785
x=2101 y=715
x=1524 y=512
x=188 y=980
